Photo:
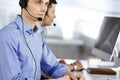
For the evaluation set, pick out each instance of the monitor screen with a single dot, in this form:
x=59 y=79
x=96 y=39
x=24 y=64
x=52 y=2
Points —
x=107 y=38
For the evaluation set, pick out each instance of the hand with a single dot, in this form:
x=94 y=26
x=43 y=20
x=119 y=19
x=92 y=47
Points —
x=80 y=77
x=71 y=67
x=79 y=65
x=73 y=77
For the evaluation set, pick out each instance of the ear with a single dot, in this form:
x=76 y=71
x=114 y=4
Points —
x=46 y=18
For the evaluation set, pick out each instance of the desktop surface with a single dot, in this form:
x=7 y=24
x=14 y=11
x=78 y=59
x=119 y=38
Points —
x=89 y=76
x=96 y=76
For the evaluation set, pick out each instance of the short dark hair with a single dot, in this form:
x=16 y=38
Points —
x=52 y=2
x=23 y=3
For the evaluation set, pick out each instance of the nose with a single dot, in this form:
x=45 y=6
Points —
x=54 y=15
x=44 y=8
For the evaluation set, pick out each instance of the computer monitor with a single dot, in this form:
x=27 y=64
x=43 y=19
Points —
x=107 y=38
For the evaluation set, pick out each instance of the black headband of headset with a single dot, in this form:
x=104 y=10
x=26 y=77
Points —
x=23 y=3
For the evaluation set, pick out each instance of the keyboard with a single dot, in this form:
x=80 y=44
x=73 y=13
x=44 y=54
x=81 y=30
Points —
x=106 y=64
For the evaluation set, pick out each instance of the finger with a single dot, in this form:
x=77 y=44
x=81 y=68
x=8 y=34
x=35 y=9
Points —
x=72 y=77
x=80 y=77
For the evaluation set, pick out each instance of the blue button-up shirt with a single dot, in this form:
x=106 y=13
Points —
x=17 y=59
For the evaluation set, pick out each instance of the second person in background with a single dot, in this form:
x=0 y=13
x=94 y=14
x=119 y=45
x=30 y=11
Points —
x=47 y=21
x=50 y=14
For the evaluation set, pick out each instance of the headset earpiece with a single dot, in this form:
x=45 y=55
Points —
x=23 y=3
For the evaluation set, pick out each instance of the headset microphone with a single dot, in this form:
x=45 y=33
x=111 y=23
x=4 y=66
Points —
x=39 y=18
x=54 y=24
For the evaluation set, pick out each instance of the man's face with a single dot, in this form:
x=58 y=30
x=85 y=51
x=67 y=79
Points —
x=37 y=8
x=48 y=19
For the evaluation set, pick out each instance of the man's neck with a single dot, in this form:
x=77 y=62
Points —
x=29 y=20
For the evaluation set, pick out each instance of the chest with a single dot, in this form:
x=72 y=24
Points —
x=30 y=46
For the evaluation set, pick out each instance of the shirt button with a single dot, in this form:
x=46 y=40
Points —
x=31 y=35
x=33 y=49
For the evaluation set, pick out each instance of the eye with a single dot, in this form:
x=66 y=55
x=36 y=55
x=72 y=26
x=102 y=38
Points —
x=46 y=4
x=38 y=2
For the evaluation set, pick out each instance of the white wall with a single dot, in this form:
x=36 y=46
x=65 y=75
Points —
x=84 y=16
x=8 y=10
x=81 y=16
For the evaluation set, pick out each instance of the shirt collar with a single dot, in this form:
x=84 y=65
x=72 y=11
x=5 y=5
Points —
x=21 y=23
x=40 y=29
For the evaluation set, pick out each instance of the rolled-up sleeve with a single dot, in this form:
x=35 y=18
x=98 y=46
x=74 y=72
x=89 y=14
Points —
x=50 y=64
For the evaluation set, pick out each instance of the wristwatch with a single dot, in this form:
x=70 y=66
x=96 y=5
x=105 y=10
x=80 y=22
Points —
x=74 y=66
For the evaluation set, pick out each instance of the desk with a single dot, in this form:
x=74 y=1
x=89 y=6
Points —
x=93 y=76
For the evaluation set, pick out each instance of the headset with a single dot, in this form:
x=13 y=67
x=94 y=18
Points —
x=54 y=24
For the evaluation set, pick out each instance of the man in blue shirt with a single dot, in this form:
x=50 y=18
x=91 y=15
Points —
x=49 y=17
x=23 y=52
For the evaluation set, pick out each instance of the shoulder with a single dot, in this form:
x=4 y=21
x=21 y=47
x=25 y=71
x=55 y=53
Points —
x=9 y=31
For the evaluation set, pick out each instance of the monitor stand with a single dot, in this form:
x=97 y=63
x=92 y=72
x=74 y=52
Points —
x=114 y=60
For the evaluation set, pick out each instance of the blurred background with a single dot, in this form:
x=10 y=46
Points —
x=78 y=24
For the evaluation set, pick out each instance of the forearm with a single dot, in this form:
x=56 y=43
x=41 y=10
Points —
x=59 y=71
